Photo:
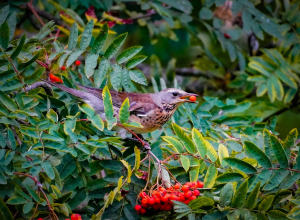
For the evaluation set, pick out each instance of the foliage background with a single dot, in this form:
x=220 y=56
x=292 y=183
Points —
x=246 y=53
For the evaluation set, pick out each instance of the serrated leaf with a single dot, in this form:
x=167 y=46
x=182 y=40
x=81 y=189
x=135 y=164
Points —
x=138 y=77
x=226 y=195
x=137 y=154
x=90 y=64
x=240 y=165
x=16 y=200
x=100 y=40
x=6 y=213
x=285 y=78
x=34 y=195
x=254 y=152
x=101 y=72
x=188 y=143
x=124 y=113
x=27 y=207
x=223 y=152
x=97 y=121
x=135 y=61
x=175 y=143
x=34 y=76
x=108 y=108
x=185 y=161
x=87 y=35
x=116 y=76
x=240 y=196
x=115 y=46
x=210 y=176
x=73 y=36
x=126 y=81
x=258 y=67
x=4 y=35
x=199 y=142
x=8 y=102
x=276 y=179
x=252 y=198
x=266 y=203
x=87 y=109
x=18 y=49
x=229 y=177
x=128 y=54
x=3 y=14
x=279 y=152
x=48 y=169
x=289 y=95
x=29 y=62
x=52 y=116
x=211 y=152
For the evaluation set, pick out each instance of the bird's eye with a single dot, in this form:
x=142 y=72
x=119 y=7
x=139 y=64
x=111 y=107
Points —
x=175 y=94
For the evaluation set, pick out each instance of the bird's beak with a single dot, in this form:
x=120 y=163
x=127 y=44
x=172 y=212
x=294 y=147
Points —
x=188 y=95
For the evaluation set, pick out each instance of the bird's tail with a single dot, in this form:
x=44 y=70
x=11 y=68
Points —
x=75 y=92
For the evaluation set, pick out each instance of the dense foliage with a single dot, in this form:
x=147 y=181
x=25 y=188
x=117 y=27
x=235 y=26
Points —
x=58 y=157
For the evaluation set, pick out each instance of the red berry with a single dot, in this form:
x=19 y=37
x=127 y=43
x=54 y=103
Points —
x=227 y=36
x=188 y=184
x=144 y=201
x=165 y=198
x=143 y=211
x=63 y=68
x=188 y=194
x=151 y=201
x=196 y=192
x=143 y=195
x=185 y=188
x=181 y=198
x=162 y=189
x=194 y=185
x=186 y=201
x=77 y=63
x=75 y=217
x=168 y=207
x=138 y=208
x=177 y=186
x=40 y=219
x=199 y=184
x=157 y=200
x=173 y=197
x=193 y=197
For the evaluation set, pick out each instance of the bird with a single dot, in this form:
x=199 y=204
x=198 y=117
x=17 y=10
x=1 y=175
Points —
x=151 y=110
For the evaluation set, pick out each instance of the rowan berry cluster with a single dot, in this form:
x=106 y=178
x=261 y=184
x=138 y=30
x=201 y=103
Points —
x=162 y=199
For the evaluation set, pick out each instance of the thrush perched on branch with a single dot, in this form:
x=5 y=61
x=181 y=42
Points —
x=151 y=110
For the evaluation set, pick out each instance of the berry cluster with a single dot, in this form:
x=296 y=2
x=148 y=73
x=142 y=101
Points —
x=161 y=198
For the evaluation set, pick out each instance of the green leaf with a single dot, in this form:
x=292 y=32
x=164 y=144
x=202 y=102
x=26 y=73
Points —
x=226 y=195
x=4 y=210
x=29 y=62
x=100 y=40
x=4 y=35
x=48 y=169
x=252 y=198
x=27 y=207
x=108 y=108
x=276 y=179
x=229 y=177
x=254 y=152
x=78 y=198
x=3 y=14
x=35 y=76
x=97 y=121
x=276 y=215
x=52 y=116
x=137 y=154
x=258 y=67
x=90 y=64
x=8 y=102
x=266 y=203
x=11 y=139
x=240 y=165
x=261 y=89
x=175 y=143
x=101 y=72
x=17 y=51
x=205 y=14
x=73 y=36
x=185 y=161
x=279 y=152
x=74 y=56
x=285 y=78
x=126 y=81
x=130 y=212
x=289 y=95
x=223 y=152
x=87 y=35
x=16 y=200
x=124 y=113
x=211 y=152
x=128 y=54
x=34 y=195
x=138 y=77
x=135 y=61
x=199 y=142
x=116 y=76
x=210 y=176
x=240 y=196
x=188 y=143
x=87 y=109
x=115 y=46
x=3 y=179
x=12 y=22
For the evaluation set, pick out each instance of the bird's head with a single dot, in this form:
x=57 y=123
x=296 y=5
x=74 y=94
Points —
x=175 y=96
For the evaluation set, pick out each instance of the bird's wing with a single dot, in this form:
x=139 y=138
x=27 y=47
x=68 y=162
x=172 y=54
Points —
x=140 y=103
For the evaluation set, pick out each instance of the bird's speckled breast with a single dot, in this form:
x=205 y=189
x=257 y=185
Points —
x=156 y=119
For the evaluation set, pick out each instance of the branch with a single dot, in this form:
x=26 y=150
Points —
x=35 y=85
x=281 y=111
x=46 y=15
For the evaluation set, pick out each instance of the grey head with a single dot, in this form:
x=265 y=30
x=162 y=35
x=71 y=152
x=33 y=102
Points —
x=174 y=96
